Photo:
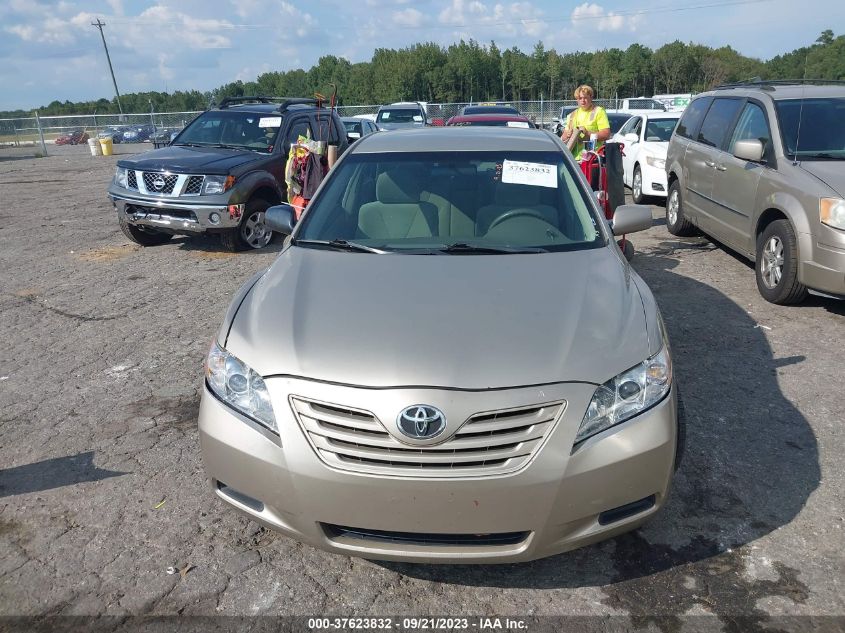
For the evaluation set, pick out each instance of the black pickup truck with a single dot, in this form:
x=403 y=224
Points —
x=220 y=173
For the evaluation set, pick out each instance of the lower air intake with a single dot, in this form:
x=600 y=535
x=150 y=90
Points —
x=421 y=538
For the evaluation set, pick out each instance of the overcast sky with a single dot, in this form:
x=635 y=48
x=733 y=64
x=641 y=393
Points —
x=49 y=50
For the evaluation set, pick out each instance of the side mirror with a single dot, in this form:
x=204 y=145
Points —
x=280 y=218
x=750 y=149
x=630 y=218
x=631 y=138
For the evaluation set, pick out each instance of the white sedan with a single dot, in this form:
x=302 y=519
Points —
x=646 y=138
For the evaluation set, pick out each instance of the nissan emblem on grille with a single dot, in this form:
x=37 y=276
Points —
x=158 y=183
x=421 y=422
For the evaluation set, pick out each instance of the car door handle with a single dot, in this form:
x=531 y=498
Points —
x=709 y=163
x=721 y=168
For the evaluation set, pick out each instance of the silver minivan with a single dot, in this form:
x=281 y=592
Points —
x=760 y=167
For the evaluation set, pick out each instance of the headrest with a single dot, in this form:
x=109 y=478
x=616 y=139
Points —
x=398 y=186
x=512 y=195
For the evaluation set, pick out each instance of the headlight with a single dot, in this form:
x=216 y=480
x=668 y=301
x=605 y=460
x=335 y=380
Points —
x=238 y=386
x=217 y=184
x=628 y=394
x=120 y=177
x=654 y=161
x=832 y=212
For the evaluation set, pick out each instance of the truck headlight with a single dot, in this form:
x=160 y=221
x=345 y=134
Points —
x=832 y=212
x=239 y=387
x=628 y=394
x=120 y=177
x=654 y=161
x=217 y=184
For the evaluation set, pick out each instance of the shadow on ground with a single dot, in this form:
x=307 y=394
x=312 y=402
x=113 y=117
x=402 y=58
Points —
x=52 y=473
x=751 y=463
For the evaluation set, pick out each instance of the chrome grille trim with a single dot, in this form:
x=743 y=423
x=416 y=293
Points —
x=175 y=184
x=194 y=186
x=487 y=443
x=131 y=179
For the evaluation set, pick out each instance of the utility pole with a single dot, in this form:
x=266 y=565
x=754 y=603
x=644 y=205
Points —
x=100 y=26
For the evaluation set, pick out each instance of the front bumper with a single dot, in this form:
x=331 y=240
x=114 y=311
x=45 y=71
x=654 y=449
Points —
x=654 y=180
x=177 y=217
x=559 y=500
x=824 y=269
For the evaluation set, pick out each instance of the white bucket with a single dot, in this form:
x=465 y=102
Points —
x=94 y=145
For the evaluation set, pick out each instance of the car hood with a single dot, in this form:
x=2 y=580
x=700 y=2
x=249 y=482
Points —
x=656 y=148
x=463 y=321
x=831 y=173
x=182 y=159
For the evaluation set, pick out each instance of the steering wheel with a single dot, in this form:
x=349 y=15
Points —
x=520 y=212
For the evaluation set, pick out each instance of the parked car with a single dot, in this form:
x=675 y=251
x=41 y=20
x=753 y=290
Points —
x=114 y=132
x=138 y=133
x=760 y=166
x=220 y=174
x=357 y=128
x=491 y=120
x=401 y=115
x=646 y=138
x=74 y=137
x=414 y=378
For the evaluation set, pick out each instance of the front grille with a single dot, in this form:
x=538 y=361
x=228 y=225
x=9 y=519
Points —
x=486 y=443
x=165 y=182
x=194 y=186
x=424 y=539
x=131 y=180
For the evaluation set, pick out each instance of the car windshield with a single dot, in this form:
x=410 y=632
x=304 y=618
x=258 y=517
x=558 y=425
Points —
x=452 y=203
x=660 y=129
x=812 y=129
x=230 y=128
x=490 y=109
x=399 y=115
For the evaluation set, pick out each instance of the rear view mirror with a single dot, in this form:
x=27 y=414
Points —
x=280 y=218
x=630 y=218
x=749 y=149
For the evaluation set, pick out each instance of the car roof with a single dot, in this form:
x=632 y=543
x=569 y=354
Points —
x=782 y=90
x=461 y=138
x=401 y=106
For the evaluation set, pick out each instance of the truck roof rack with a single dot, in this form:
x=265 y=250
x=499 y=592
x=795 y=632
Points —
x=770 y=84
x=284 y=102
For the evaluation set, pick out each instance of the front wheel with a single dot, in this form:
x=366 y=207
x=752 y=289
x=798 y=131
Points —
x=637 y=186
x=142 y=236
x=676 y=223
x=252 y=233
x=776 y=267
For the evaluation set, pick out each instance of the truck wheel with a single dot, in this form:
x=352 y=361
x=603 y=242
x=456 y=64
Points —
x=776 y=267
x=676 y=223
x=142 y=236
x=252 y=233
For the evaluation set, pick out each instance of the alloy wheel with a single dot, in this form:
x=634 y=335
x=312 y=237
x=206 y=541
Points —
x=637 y=186
x=771 y=264
x=254 y=232
x=672 y=208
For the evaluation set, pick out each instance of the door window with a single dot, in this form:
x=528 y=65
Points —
x=298 y=128
x=752 y=124
x=718 y=121
x=688 y=125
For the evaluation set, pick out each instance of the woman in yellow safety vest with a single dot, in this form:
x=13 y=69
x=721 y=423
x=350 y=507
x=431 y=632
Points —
x=586 y=120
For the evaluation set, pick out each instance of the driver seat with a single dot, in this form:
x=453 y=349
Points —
x=398 y=211
x=509 y=196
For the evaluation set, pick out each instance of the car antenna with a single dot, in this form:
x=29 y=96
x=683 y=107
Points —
x=795 y=160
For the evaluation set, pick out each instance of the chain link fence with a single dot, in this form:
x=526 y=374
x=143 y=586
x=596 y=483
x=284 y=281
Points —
x=161 y=125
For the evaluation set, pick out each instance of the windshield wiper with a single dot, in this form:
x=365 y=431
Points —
x=825 y=155
x=460 y=248
x=183 y=144
x=340 y=245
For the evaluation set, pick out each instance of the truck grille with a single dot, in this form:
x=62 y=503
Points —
x=131 y=179
x=159 y=183
x=194 y=186
x=156 y=183
x=488 y=443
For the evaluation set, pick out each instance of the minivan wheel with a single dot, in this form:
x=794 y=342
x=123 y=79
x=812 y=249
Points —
x=252 y=233
x=777 y=265
x=637 y=186
x=676 y=223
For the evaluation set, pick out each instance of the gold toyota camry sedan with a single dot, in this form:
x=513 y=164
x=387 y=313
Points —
x=449 y=361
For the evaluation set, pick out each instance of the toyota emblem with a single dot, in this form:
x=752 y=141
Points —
x=421 y=422
x=158 y=183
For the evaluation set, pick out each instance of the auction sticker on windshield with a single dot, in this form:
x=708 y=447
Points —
x=270 y=121
x=537 y=174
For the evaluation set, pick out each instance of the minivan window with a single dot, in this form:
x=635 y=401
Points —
x=692 y=117
x=821 y=136
x=717 y=122
x=752 y=125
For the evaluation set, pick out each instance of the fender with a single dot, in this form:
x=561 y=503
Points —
x=250 y=182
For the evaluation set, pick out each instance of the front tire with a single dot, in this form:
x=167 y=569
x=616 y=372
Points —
x=776 y=268
x=252 y=233
x=637 y=186
x=144 y=237
x=676 y=223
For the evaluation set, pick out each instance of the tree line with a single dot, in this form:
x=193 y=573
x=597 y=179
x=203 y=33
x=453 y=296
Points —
x=469 y=71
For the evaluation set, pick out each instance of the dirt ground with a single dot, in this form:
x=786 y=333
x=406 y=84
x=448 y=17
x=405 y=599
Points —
x=102 y=487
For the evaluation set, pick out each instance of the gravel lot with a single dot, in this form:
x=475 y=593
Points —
x=102 y=486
